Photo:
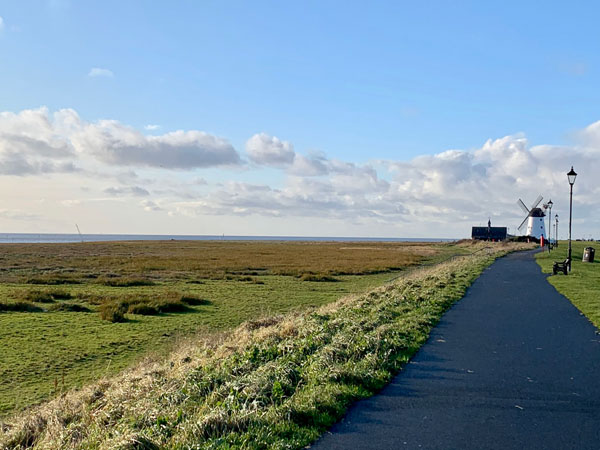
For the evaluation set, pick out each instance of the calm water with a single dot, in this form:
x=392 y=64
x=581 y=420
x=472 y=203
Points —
x=46 y=238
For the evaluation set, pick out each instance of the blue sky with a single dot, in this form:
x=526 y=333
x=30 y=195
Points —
x=359 y=83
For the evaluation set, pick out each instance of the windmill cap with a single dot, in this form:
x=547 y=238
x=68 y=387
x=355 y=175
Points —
x=537 y=212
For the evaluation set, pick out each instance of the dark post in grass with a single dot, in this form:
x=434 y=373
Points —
x=556 y=229
x=571 y=175
x=550 y=225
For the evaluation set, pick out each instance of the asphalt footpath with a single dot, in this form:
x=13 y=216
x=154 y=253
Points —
x=513 y=365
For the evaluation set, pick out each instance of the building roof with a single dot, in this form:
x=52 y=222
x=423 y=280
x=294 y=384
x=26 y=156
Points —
x=497 y=233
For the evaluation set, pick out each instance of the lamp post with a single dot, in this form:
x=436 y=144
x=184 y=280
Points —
x=550 y=225
x=556 y=229
x=571 y=175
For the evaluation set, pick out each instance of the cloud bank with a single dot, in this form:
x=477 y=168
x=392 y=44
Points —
x=438 y=194
x=35 y=141
x=186 y=177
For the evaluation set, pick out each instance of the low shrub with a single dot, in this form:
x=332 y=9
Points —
x=319 y=277
x=52 y=280
x=243 y=278
x=165 y=303
x=40 y=296
x=61 y=295
x=194 y=301
x=95 y=299
x=113 y=311
x=144 y=309
x=19 y=306
x=125 y=281
x=171 y=305
x=69 y=307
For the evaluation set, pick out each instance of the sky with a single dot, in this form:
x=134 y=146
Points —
x=324 y=118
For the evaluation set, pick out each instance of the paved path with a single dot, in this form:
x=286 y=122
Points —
x=513 y=365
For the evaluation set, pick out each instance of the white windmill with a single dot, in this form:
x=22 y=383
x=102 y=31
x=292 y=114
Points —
x=535 y=219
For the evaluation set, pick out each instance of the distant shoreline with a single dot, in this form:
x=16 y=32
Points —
x=47 y=238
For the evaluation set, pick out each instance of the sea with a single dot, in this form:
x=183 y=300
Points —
x=65 y=238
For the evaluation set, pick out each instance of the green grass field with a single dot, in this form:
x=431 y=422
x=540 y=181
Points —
x=44 y=353
x=278 y=382
x=582 y=285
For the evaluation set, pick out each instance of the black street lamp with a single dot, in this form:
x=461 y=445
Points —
x=549 y=225
x=571 y=175
x=556 y=229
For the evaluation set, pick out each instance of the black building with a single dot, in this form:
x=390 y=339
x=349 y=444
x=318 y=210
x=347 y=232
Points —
x=489 y=233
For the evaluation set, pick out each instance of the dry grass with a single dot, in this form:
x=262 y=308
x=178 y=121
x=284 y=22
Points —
x=131 y=262
x=277 y=382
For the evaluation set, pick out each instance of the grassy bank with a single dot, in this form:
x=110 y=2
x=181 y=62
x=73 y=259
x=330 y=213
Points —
x=52 y=295
x=272 y=383
x=582 y=285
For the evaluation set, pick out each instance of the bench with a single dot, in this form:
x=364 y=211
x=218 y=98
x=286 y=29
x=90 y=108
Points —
x=560 y=266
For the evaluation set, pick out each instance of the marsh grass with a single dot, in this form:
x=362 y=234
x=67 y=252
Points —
x=85 y=347
x=275 y=382
x=69 y=307
x=52 y=280
x=53 y=264
x=46 y=296
x=317 y=277
x=113 y=311
x=193 y=300
x=124 y=281
x=19 y=306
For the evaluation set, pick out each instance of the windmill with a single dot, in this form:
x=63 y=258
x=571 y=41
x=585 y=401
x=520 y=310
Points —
x=534 y=218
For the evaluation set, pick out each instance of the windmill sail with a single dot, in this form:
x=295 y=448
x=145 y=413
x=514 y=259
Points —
x=537 y=202
x=523 y=223
x=523 y=207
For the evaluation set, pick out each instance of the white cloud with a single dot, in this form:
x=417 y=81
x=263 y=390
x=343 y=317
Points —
x=1 y=23
x=30 y=144
x=18 y=215
x=99 y=72
x=151 y=127
x=117 y=144
x=437 y=195
x=149 y=205
x=313 y=165
x=109 y=163
x=32 y=141
x=135 y=191
x=270 y=150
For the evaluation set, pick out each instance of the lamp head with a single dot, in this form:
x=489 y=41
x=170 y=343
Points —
x=571 y=176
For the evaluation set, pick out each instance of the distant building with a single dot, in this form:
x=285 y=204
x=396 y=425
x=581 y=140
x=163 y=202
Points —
x=489 y=233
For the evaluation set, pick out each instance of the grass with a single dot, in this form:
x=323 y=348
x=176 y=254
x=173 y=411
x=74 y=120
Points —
x=220 y=284
x=52 y=264
x=19 y=306
x=317 y=277
x=582 y=285
x=125 y=281
x=276 y=382
x=45 y=296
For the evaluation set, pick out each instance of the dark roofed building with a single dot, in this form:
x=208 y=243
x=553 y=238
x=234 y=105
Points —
x=489 y=233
